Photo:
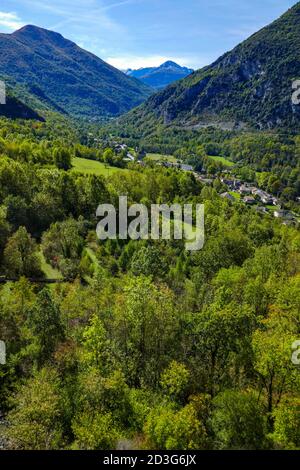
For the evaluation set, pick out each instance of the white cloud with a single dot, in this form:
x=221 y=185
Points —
x=10 y=21
x=135 y=62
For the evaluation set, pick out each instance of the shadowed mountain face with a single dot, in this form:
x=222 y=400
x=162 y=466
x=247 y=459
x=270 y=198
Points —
x=250 y=85
x=160 y=77
x=65 y=77
x=15 y=109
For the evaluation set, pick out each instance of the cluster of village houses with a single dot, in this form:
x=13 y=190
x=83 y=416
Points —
x=251 y=195
x=247 y=192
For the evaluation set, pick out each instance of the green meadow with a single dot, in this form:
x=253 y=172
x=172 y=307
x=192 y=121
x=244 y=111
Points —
x=93 y=167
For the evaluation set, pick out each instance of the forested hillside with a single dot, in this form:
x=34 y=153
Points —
x=139 y=344
x=248 y=86
x=51 y=72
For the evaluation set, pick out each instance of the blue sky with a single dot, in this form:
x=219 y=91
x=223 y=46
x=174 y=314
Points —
x=139 y=33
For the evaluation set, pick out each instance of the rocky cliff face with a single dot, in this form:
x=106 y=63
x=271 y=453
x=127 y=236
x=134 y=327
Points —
x=250 y=85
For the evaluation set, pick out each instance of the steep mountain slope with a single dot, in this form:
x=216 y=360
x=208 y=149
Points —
x=65 y=77
x=252 y=84
x=162 y=76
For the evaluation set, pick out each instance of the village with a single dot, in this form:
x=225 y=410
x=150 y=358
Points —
x=236 y=189
x=246 y=192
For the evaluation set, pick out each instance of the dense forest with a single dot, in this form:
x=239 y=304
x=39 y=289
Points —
x=144 y=345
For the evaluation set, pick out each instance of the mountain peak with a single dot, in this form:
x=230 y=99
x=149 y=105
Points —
x=32 y=30
x=35 y=33
x=170 y=63
x=162 y=76
x=28 y=28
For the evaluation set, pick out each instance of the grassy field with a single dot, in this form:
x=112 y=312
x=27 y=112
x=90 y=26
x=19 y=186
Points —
x=237 y=196
x=92 y=167
x=50 y=273
x=223 y=160
x=156 y=157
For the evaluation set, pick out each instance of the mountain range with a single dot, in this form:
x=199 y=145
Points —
x=45 y=70
x=248 y=86
x=162 y=76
